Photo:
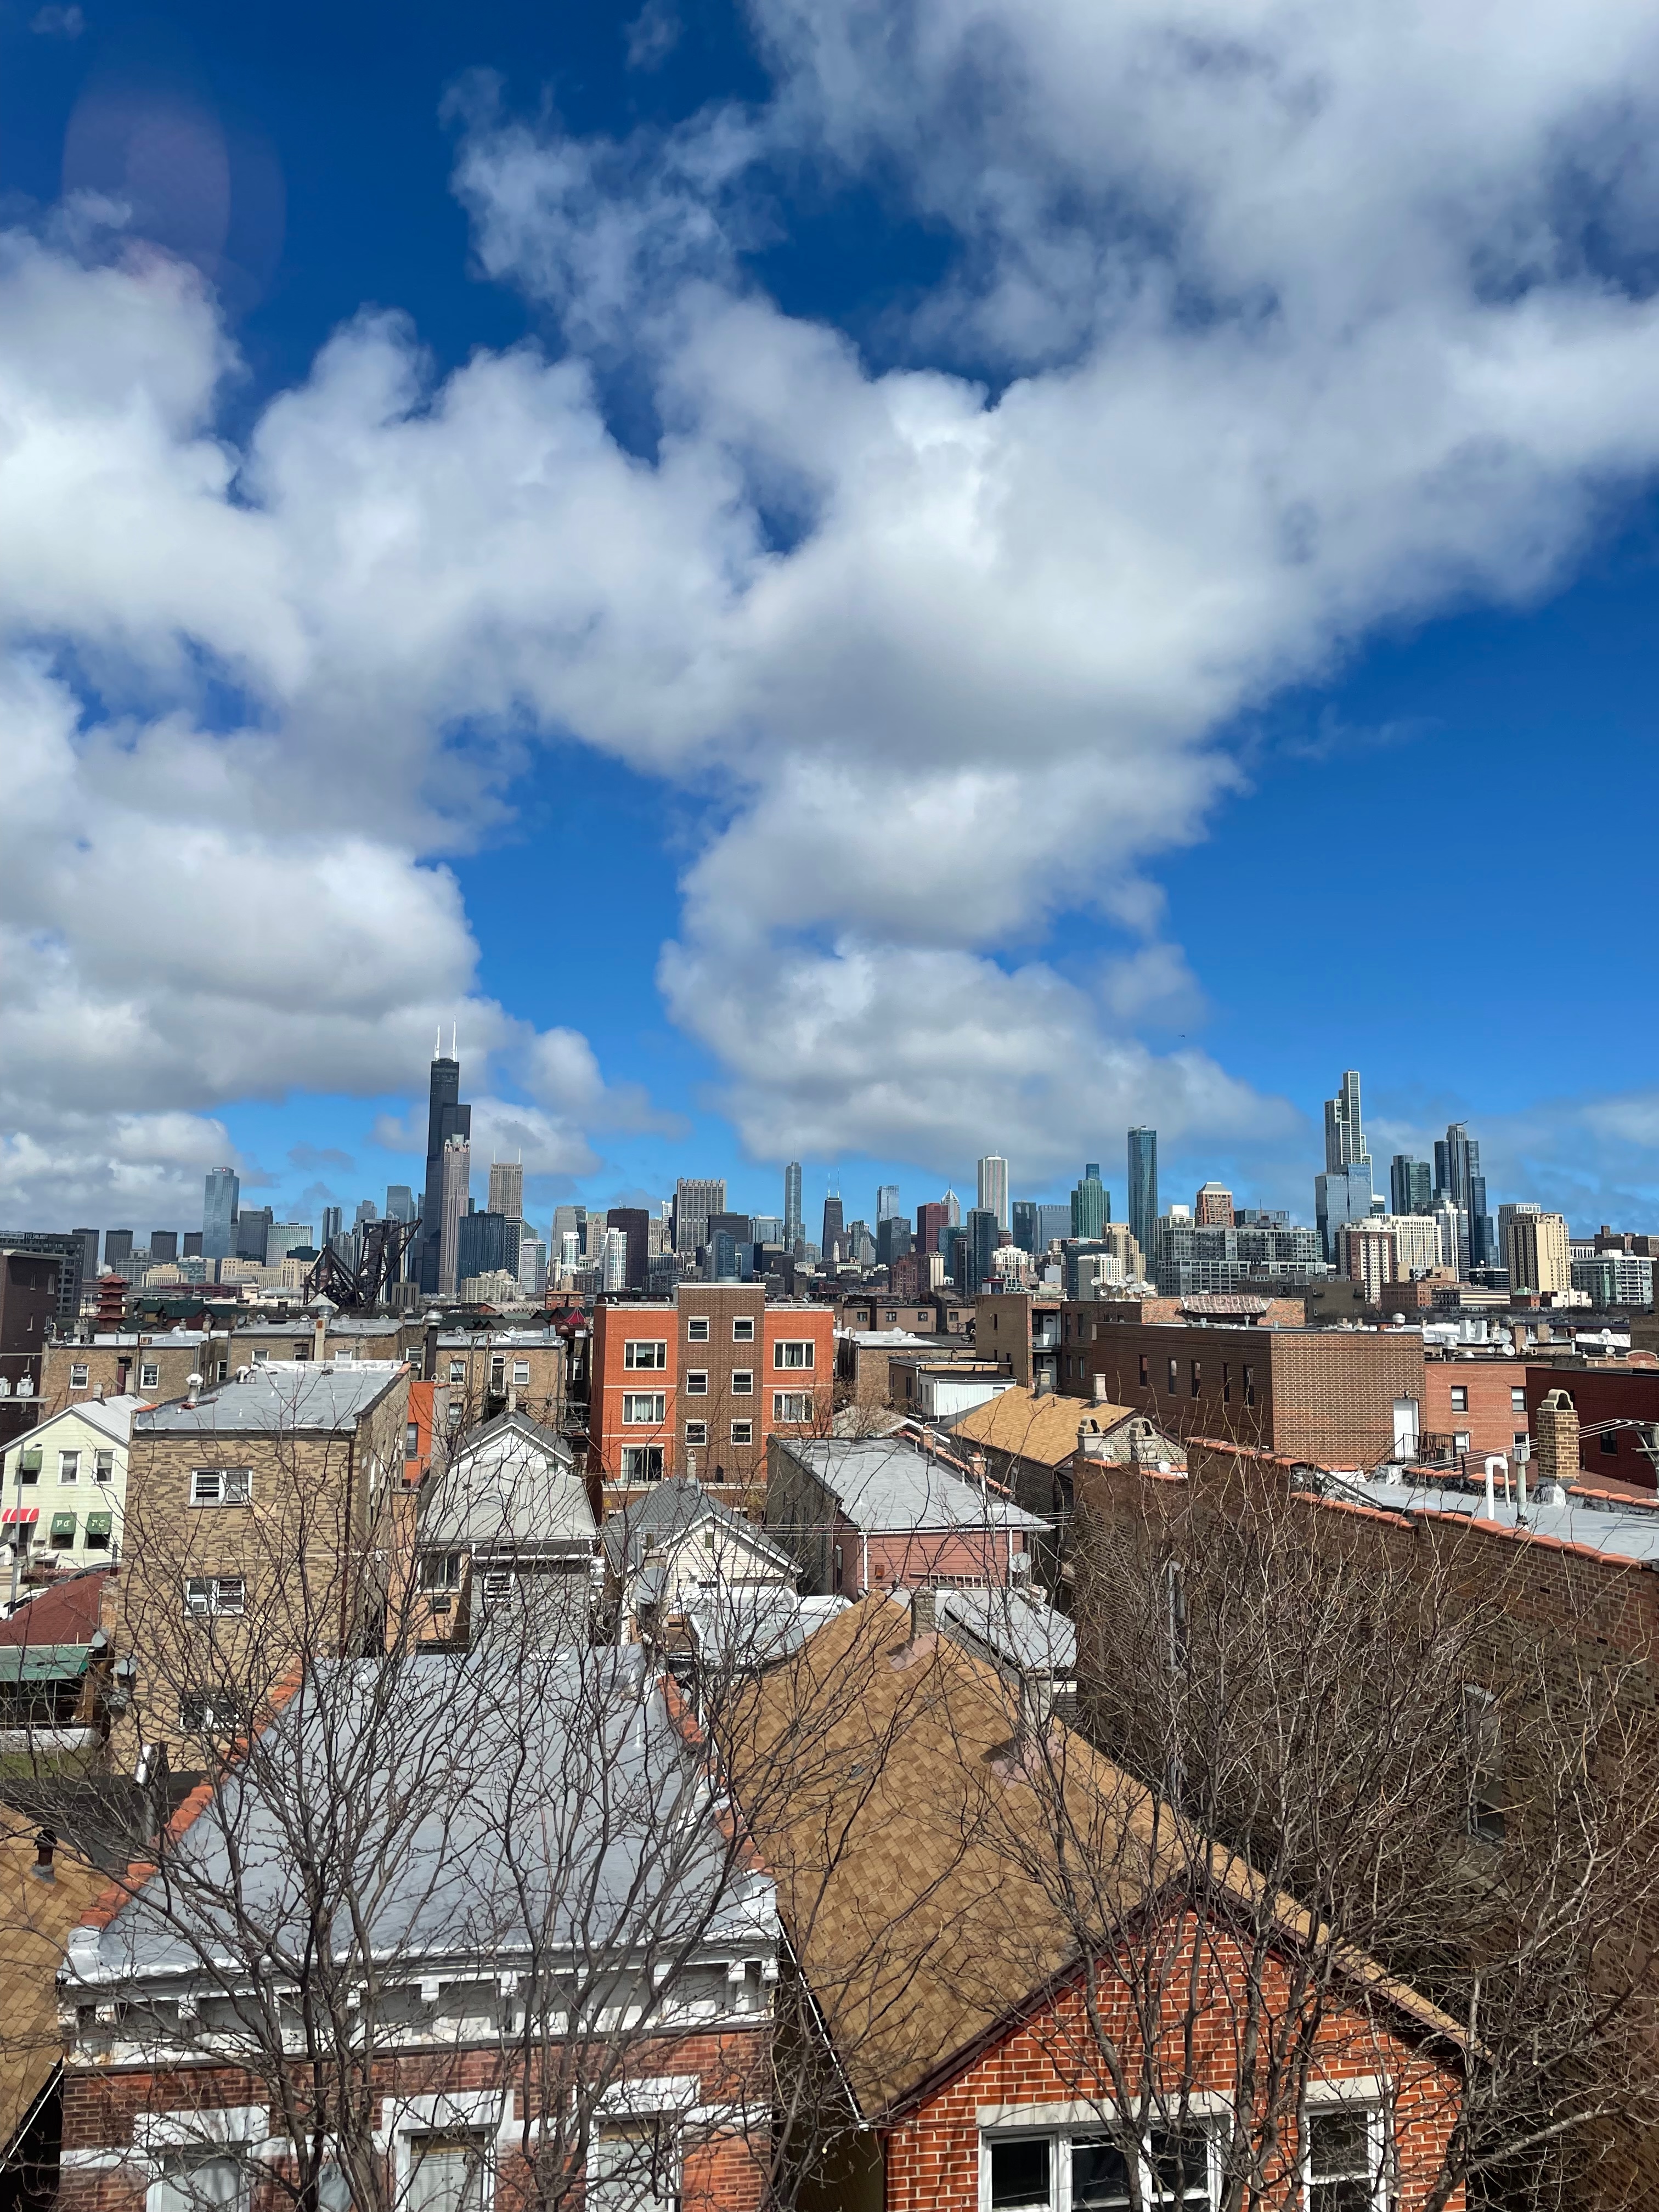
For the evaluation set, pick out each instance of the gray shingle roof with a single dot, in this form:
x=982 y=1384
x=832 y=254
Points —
x=668 y=1511
x=1021 y=1629
x=602 y=1860
x=884 y=1486
x=510 y=1488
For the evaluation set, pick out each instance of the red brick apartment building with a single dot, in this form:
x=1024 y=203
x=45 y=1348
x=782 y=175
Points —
x=1341 y=1397
x=1476 y=1406
x=696 y=1385
x=1599 y=1394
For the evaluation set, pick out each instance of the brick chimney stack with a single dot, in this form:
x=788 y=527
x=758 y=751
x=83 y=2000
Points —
x=1556 y=1429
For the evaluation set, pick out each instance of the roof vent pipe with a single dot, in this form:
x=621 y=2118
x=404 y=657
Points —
x=192 y=1385
x=1100 y=1389
x=46 y=1843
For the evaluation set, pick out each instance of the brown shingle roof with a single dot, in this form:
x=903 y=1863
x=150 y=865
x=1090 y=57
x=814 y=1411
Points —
x=917 y=1852
x=1041 y=1428
x=35 y=1920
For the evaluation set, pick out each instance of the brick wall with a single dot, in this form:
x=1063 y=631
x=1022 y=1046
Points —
x=1487 y=1415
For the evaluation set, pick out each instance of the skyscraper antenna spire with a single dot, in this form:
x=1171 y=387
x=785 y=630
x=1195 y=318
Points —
x=454 y=1047
x=438 y=1042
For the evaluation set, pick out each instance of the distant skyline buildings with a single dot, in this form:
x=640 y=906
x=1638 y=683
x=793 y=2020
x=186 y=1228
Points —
x=993 y=1185
x=220 y=1200
x=447 y=1119
x=792 y=1204
x=1143 y=1188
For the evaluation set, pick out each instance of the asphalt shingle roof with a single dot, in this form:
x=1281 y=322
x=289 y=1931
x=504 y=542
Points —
x=308 y=1397
x=883 y=1485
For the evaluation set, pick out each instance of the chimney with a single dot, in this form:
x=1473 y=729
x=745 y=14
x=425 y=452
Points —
x=1100 y=1389
x=1556 y=1425
x=46 y=1843
x=924 y=1613
x=192 y=1385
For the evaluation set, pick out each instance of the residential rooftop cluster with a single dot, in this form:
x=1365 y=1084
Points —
x=722 y=1719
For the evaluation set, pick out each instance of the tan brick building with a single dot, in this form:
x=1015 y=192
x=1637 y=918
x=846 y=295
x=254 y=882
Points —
x=257 y=1521
x=133 y=1363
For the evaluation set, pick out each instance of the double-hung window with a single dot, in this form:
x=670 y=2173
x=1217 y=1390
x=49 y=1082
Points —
x=69 y=1467
x=1345 y=2156
x=202 y=2181
x=743 y=1382
x=635 y=2167
x=793 y=1352
x=458 y=1371
x=696 y=1382
x=80 y=1375
x=221 y=1486
x=448 y=2174
x=643 y=1409
x=696 y=1329
x=743 y=1432
x=789 y=1407
x=103 y=1466
x=149 y=1374
x=642 y=1352
x=743 y=1328
x=696 y=1432
x=521 y=1373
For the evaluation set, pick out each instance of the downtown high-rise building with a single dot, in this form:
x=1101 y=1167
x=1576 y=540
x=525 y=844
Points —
x=887 y=1201
x=1143 y=1189
x=399 y=1202
x=833 y=1245
x=792 y=1213
x=695 y=1198
x=1343 y=1192
x=219 y=1203
x=507 y=1189
x=447 y=1119
x=1410 y=1185
x=993 y=1189
x=1091 y=1203
x=1457 y=1177
x=454 y=1177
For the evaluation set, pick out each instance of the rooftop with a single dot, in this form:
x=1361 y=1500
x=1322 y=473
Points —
x=670 y=1509
x=312 y=1395
x=1625 y=1533
x=510 y=1486
x=881 y=1484
x=1042 y=1427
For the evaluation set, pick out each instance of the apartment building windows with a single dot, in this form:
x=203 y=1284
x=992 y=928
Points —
x=206 y=1712
x=440 y=1571
x=208 y=1595
x=743 y=1432
x=1171 y=1384
x=743 y=1328
x=1145 y=1367
x=149 y=1374
x=790 y=1407
x=521 y=1374
x=69 y=1467
x=696 y=1329
x=696 y=1432
x=221 y=1486
x=643 y=1409
x=743 y=1382
x=634 y=2167
x=1196 y=1380
x=458 y=1371
x=103 y=1466
x=641 y=1463
x=1459 y=1397
x=793 y=1352
x=80 y=1376
x=696 y=1382
x=1517 y=1401
x=1249 y=1385
x=642 y=1352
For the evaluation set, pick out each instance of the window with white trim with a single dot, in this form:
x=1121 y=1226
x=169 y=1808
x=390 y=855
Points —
x=201 y=2180
x=210 y=1712
x=743 y=1328
x=209 y=1595
x=643 y=1409
x=696 y=1329
x=69 y=1467
x=743 y=1432
x=696 y=1432
x=103 y=1466
x=458 y=1371
x=221 y=1486
x=696 y=1382
x=440 y=1571
x=640 y=1352
x=1345 y=2151
x=743 y=1382
x=793 y=1352
x=633 y=2166
x=641 y=1463
x=149 y=1374
x=80 y=1375
x=448 y=2174
x=520 y=1373
x=791 y=1406
x=1091 y=2169
x=261 y=1355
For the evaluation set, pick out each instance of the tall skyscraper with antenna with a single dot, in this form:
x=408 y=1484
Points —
x=792 y=1220
x=446 y=1117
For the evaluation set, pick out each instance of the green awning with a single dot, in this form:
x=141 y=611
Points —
x=100 y=1524
x=30 y=1460
x=43 y=1662
x=63 y=1525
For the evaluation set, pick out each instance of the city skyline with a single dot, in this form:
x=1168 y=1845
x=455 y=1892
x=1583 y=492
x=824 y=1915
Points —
x=1220 y=603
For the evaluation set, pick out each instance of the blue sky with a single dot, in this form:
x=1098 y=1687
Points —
x=884 y=592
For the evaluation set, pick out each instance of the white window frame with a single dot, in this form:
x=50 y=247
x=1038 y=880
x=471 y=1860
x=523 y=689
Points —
x=1060 y=2125
x=697 y=1433
x=103 y=1465
x=69 y=1467
x=696 y=1382
x=801 y=1344
x=1374 y=2097
x=748 y=1432
x=149 y=1374
x=594 y=2192
x=656 y=1402
x=1517 y=1399
x=457 y=1372
x=404 y=2120
x=656 y=1350
x=696 y=1328
x=743 y=1328
x=780 y=1402
x=261 y=1354
x=215 y=2131
x=743 y=1382
x=642 y=1474
x=1459 y=1397
x=521 y=1374
x=231 y=1485
x=80 y=1375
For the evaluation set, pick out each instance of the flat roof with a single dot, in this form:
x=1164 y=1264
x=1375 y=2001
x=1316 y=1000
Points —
x=1630 y=1534
x=305 y=1394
